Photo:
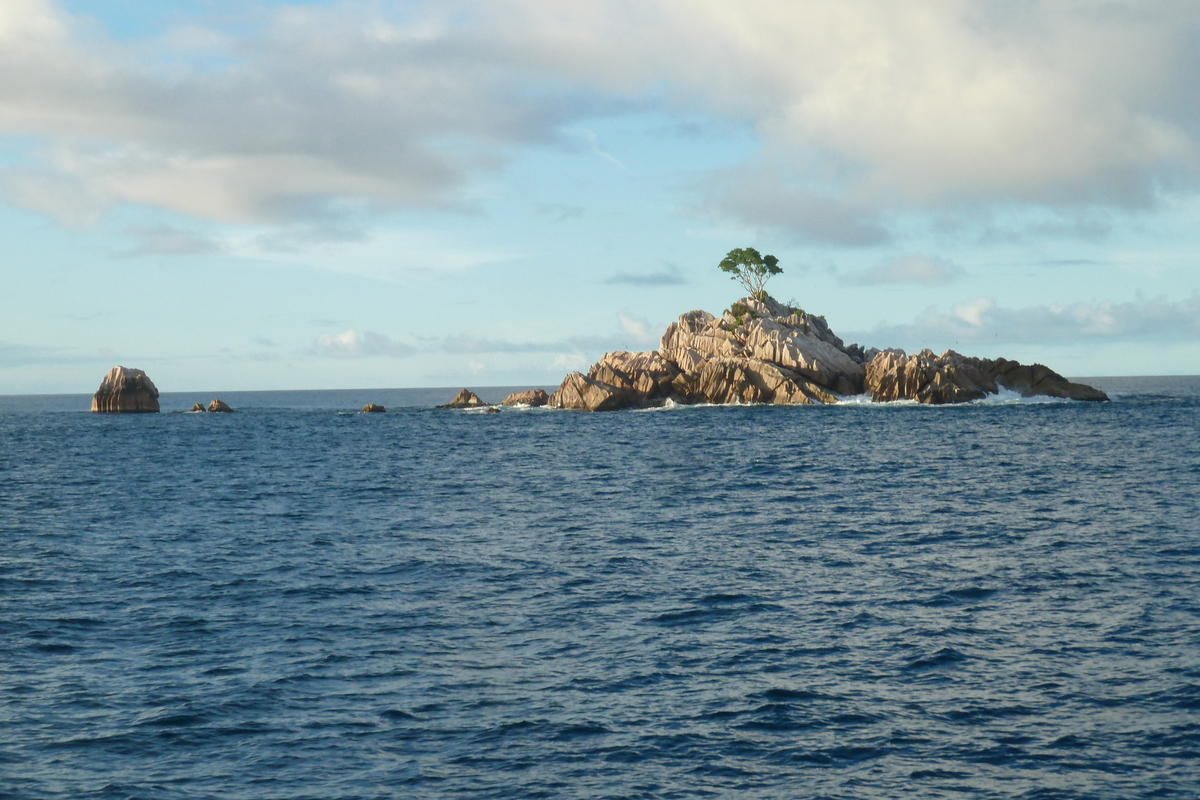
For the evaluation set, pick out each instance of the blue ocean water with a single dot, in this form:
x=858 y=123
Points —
x=861 y=601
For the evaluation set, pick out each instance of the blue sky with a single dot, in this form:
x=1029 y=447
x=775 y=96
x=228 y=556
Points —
x=280 y=195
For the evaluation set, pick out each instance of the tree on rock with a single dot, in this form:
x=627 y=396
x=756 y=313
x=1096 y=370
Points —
x=751 y=269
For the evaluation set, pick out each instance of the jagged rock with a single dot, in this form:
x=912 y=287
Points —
x=197 y=407
x=741 y=380
x=371 y=408
x=125 y=390
x=645 y=378
x=465 y=399
x=955 y=378
x=694 y=339
x=533 y=397
x=218 y=405
x=581 y=393
x=926 y=378
x=1037 y=379
x=793 y=349
x=767 y=331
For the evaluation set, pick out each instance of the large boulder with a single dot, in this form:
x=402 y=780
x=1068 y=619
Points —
x=219 y=406
x=533 y=397
x=372 y=408
x=465 y=399
x=581 y=393
x=125 y=390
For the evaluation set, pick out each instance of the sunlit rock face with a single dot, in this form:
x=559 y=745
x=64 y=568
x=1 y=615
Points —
x=125 y=390
x=578 y=392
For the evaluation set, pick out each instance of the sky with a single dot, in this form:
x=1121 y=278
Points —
x=238 y=195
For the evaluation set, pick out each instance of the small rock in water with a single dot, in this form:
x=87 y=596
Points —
x=218 y=405
x=465 y=399
x=534 y=397
x=125 y=390
x=198 y=407
x=371 y=408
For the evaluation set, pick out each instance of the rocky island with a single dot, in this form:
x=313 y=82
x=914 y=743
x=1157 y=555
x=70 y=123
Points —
x=761 y=351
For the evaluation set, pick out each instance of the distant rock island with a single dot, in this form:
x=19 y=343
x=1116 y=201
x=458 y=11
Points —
x=125 y=390
x=761 y=351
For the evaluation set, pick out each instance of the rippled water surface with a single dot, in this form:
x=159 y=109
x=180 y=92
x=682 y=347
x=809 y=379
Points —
x=995 y=600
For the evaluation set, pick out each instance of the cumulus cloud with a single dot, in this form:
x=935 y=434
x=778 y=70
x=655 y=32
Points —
x=865 y=108
x=912 y=268
x=353 y=344
x=982 y=320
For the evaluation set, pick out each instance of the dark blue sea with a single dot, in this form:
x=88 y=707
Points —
x=996 y=600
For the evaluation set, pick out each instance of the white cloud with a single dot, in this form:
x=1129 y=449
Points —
x=866 y=108
x=570 y=362
x=983 y=321
x=912 y=268
x=353 y=344
x=638 y=329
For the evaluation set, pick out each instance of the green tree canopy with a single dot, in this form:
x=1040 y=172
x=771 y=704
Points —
x=750 y=269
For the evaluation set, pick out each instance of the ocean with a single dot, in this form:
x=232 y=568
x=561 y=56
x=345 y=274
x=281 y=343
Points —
x=993 y=600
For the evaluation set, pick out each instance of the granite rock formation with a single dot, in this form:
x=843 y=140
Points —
x=761 y=351
x=218 y=405
x=125 y=390
x=371 y=408
x=533 y=397
x=197 y=408
x=465 y=399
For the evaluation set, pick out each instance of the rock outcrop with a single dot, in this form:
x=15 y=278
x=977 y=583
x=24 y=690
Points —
x=761 y=351
x=581 y=393
x=125 y=390
x=465 y=399
x=533 y=397
x=371 y=408
x=955 y=378
x=197 y=408
x=218 y=405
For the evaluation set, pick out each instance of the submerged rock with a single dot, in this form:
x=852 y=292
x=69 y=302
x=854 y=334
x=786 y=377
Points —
x=125 y=390
x=371 y=408
x=533 y=397
x=218 y=405
x=465 y=399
